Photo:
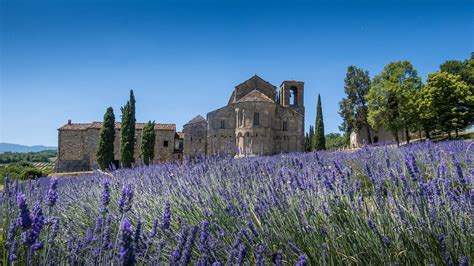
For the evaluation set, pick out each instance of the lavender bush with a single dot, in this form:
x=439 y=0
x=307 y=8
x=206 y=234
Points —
x=380 y=205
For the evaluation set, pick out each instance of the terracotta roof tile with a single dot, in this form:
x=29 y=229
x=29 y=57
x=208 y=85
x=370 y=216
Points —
x=98 y=125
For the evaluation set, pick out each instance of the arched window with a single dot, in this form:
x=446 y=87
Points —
x=293 y=96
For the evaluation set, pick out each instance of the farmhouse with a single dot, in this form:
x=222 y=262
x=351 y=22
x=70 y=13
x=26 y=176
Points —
x=359 y=138
x=257 y=120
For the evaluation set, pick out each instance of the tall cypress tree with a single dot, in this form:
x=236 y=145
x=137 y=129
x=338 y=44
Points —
x=148 y=143
x=132 y=122
x=127 y=132
x=311 y=138
x=105 y=150
x=307 y=142
x=319 y=138
x=125 y=151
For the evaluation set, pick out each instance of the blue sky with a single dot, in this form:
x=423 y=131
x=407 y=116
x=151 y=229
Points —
x=182 y=58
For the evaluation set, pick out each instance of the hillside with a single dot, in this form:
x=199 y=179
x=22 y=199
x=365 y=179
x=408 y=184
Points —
x=4 y=147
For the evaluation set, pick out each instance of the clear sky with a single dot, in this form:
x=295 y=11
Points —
x=72 y=59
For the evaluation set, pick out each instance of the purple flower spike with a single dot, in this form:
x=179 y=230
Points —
x=52 y=195
x=126 y=251
x=125 y=202
x=166 y=216
x=302 y=261
x=105 y=197
x=24 y=220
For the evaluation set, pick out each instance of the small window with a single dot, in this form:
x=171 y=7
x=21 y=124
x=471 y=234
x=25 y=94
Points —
x=256 y=119
x=285 y=125
x=222 y=124
x=376 y=139
x=165 y=143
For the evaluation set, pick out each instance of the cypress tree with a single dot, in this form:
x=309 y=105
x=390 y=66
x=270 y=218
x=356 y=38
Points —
x=319 y=138
x=311 y=138
x=307 y=142
x=132 y=122
x=125 y=151
x=105 y=150
x=148 y=143
x=127 y=132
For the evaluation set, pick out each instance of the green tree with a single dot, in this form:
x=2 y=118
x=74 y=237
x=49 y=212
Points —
x=147 y=146
x=464 y=69
x=335 y=140
x=105 y=150
x=319 y=142
x=390 y=99
x=127 y=132
x=353 y=109
x=449 y=101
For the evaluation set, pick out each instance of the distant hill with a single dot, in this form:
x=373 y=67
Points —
x=4 y=147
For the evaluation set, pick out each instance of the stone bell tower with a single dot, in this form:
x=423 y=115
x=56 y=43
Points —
x=292 y=95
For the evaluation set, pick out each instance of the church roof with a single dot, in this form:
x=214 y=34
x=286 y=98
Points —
x=98 y=125
x=255 y=96
x=253 y=80
x=197 y=119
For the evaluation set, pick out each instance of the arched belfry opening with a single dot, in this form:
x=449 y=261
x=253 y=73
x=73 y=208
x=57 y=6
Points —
x=293 y=96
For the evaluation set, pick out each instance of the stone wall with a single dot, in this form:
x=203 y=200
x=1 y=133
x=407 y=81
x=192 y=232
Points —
x=195 y=139
x=221 y=140
x=379 y=136
x=78 y=148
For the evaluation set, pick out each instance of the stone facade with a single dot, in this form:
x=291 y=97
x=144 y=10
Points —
x=254 y=122
x=77 y=145
x=360 y=138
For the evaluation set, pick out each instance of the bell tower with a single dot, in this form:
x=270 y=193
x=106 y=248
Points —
x=292 y=95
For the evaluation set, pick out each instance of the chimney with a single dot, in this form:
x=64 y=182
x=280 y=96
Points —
x=69 y=122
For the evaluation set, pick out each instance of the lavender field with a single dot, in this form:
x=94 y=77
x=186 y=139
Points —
x=380 y=205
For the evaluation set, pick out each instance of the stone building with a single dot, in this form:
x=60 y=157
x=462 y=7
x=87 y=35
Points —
x=77 y=145
x=255 y=121
x=359 y=138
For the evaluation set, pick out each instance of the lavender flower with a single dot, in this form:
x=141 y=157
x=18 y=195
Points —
x=188 y=248
x=277 y=258
x=52 y=195
x=126 y=251
x=302 y=261
x=153 y=231
x=105 y=197
x=259 y=256
x=106 y=240
x=182 y=238
x=166 y=216
x=125 y=202
x=24 y=220
x=241 y=255
x=38 y=223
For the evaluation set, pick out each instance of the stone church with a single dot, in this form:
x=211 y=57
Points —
x=257 y=120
